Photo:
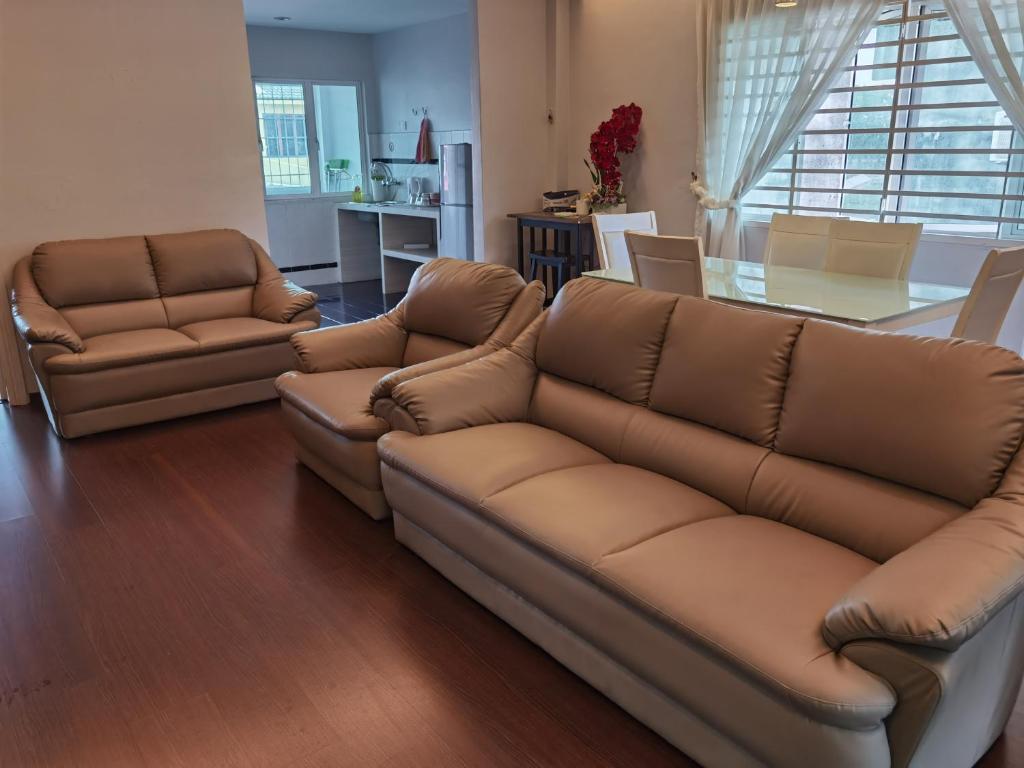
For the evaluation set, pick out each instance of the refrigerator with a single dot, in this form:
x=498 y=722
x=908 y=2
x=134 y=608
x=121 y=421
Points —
x=456 y=225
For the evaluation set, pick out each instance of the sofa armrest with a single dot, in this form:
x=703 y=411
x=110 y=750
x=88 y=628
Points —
x=37 y=321
x=488 y=390
x=942 y=590
x=279 y=300
x=375 y=343
x=382 y=389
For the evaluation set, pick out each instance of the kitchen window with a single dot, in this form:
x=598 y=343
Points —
x=909 y=133
x=311 y=137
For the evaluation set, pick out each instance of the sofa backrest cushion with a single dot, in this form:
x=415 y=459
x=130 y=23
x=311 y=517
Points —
x=205 y=260
x=460 y=300
x=73 y=272
x=208 y=305
x=605 y=335
x=943 y=416
x=873 y=517
x=725 y=368
x=97 y=319
x=421 y=347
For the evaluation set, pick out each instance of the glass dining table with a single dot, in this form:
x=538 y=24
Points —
x=866 y=302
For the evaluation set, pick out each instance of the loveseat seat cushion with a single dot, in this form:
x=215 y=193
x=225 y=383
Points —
x=471 y=464
x=580 y=514
x=71 y=272
x=336 y=400
x=238 y=332
x=186 y=262
x=116 y=350
x=755 y=592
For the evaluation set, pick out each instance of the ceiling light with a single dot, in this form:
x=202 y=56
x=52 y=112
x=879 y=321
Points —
x=785 y=3
x=289 y=18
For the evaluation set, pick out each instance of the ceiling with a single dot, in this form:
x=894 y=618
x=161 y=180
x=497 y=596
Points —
x=350 y=15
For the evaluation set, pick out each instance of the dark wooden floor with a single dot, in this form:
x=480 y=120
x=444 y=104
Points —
x=184 y=595
x=342 y=303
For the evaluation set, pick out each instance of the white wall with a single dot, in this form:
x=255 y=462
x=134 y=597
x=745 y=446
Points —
x=512 y=131
x=643 y=52
x=423 y=65
x=122 y=118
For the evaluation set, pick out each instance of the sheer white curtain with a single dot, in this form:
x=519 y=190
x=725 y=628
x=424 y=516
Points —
x=991 y=30
x=765 y=72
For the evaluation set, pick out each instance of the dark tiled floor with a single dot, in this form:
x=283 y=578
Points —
x=342 y=303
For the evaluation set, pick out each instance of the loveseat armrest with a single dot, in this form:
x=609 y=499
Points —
x=37 y=321
x=375 y=343
x=280 y=300
x=942 y=590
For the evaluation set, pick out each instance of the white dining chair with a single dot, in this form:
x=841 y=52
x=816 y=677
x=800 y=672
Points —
x=871 y=249
x=667 y=263
x=797 y=241
x=609 y=239
x=994 y=289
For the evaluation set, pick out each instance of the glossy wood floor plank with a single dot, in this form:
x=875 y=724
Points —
x=185 y=595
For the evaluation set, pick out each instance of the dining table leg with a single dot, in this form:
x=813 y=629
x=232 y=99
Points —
x=519 y=247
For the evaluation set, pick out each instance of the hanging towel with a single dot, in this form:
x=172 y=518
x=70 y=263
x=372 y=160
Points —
x=423 y=146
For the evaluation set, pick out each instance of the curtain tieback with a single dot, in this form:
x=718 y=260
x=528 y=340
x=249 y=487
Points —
x=708 y=202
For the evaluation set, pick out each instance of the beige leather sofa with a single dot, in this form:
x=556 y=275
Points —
x=336 y=406
x=776 y=542
x=129 y=330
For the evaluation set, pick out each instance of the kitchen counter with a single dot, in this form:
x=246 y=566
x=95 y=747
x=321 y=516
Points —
x=404 y=209
x=377 y=236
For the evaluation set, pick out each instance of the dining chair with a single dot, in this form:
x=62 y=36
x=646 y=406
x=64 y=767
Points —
x=609 y=239
x=994 y=289
x=871 y=249
x=667 y=263
x=797 y=241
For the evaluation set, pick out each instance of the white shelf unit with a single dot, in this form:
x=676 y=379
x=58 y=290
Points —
x=400 y=227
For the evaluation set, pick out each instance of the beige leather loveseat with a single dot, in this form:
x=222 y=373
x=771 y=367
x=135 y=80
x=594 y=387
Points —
x=128 y=330
x=454 y=311
x=777 y=542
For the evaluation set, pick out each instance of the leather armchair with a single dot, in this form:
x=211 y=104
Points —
x=337 y=403
x=124 y=331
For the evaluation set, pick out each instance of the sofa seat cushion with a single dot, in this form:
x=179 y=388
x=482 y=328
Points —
x=337 y=400
x=581 y=514
x=238 y=332
x=469 y=465
x=124 y=348
x=755 y=592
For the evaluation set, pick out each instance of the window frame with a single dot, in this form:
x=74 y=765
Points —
x=312 y=138
x=904 y=105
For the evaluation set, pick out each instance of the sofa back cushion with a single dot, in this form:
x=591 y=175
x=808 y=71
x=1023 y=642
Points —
x=205 y=260
x=605 y=335
x=873 y=517
x=73 y=272
x=421 y=347
x=725 y=368
x=460 y=300
x=113 y=317
x=942 y=416
x=208 y=305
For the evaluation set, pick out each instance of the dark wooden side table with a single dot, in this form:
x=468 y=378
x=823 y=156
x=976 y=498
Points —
x=553 y=238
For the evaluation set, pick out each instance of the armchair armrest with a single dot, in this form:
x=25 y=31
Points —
x=942 y=590
x=374 y=343
x=490 y=389
x=37 y=321
x=383 y=389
